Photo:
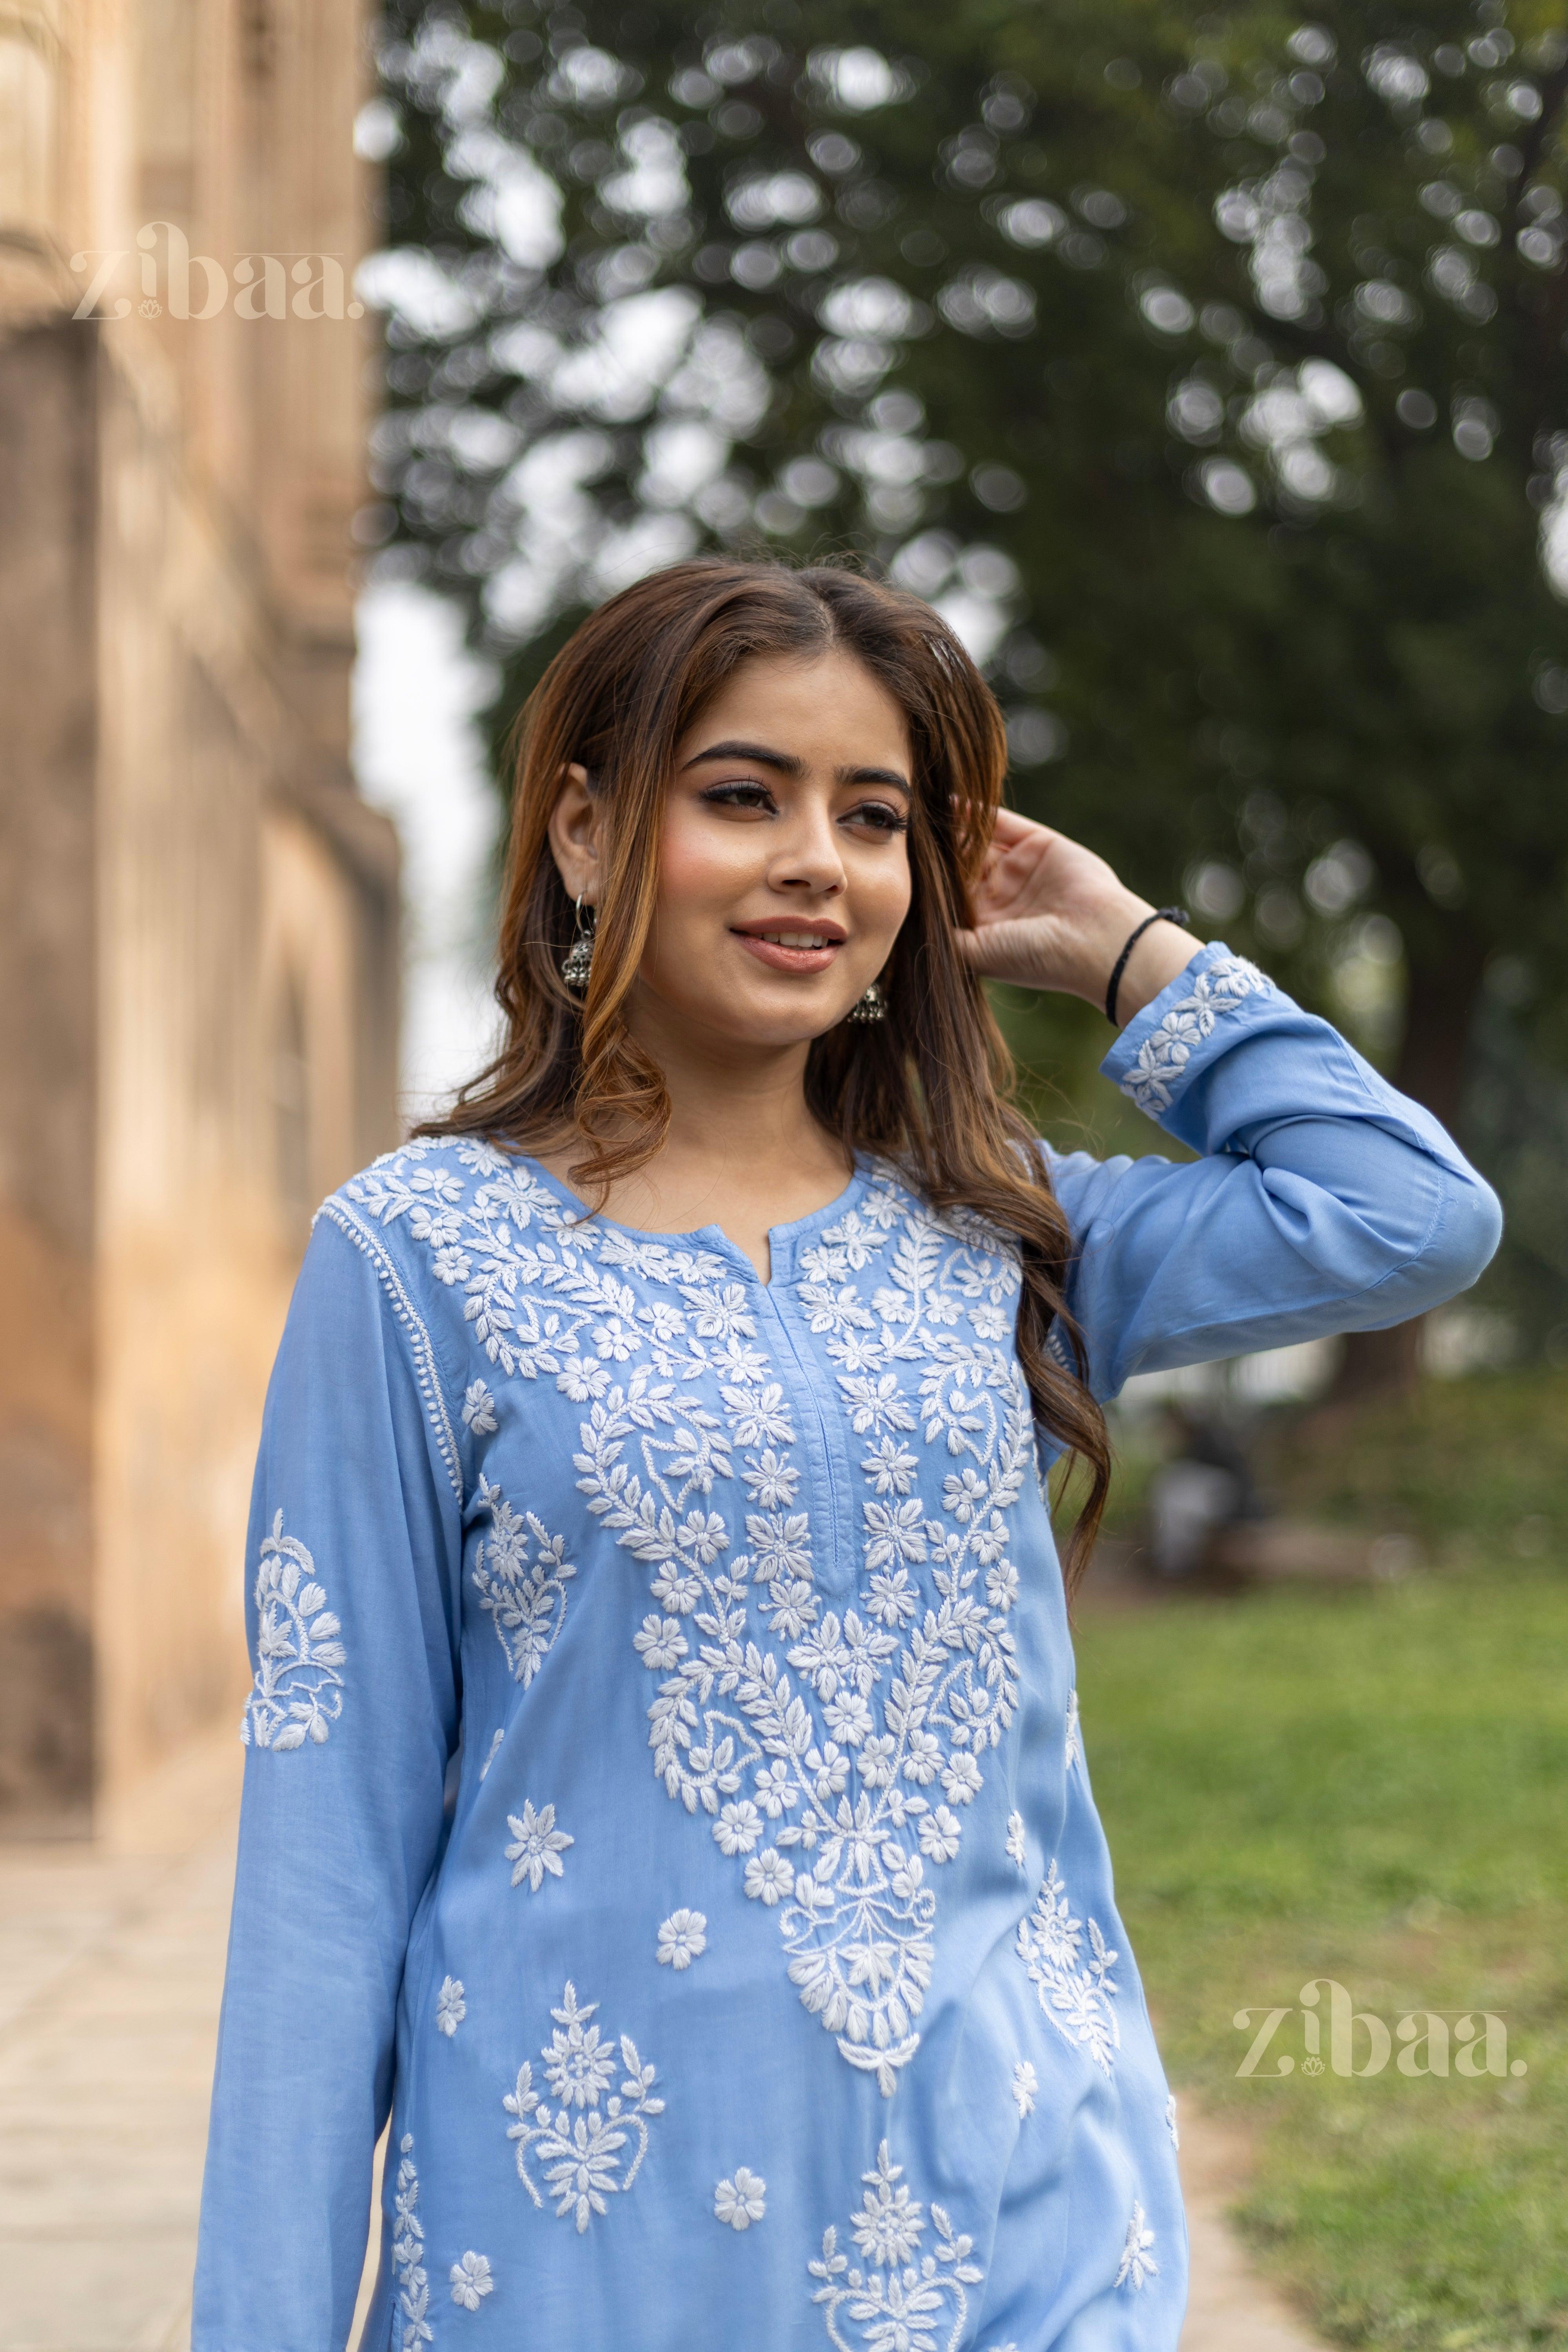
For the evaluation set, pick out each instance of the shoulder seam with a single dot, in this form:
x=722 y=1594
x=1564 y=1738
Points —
x=422 y=1348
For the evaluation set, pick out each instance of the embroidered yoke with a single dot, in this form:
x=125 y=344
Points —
x=664 y=1795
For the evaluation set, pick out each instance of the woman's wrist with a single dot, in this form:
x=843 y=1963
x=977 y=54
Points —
x=1162 y=951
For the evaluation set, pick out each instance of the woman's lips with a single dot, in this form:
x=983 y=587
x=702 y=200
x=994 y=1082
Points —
x=783 y=959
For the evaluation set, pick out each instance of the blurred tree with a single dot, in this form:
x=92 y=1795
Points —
x=1209 y=372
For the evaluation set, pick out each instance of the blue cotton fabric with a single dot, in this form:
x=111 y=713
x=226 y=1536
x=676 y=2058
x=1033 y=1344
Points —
x=665 y=1791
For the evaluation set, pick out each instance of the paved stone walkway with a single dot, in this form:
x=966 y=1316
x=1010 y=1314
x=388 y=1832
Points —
x=110 y=1974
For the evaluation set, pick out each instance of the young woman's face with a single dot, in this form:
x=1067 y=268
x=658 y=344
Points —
x=784 y=871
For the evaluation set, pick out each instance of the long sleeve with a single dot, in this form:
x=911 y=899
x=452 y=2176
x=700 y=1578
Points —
x=352 y=1601
x=1322 y=1199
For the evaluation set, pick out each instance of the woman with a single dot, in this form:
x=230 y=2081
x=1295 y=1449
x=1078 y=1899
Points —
x=664 y=1793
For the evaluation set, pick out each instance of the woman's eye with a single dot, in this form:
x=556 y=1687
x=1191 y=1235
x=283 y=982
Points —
x=880 y=817
x=739 y=795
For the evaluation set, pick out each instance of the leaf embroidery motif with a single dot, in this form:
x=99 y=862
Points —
x=579 y=2149
x=1165 y=1052
x=1074 y=1992
x=525 y=1600
x=899 y=2296
x=298 y=1691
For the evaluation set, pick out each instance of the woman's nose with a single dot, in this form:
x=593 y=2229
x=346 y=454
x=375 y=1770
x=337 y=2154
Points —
x=808 y=858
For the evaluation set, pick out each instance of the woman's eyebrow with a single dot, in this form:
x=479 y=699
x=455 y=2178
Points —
x=788 y=764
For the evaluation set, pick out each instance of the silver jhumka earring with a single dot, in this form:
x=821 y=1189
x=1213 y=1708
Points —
x=579 y=958
x=872 y=1006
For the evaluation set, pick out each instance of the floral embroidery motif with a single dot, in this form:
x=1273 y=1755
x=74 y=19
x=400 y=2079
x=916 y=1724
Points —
x=741 y=2201
x=682 y=1938
x=526 y=1600
x=298 y=1689
x=833 y=1752
x=450 y=2007
x=1171 y=2121
x=1137 y=2263
x=471 y=2282
x=902 y=2300
x=1165 y=1052
x=1074 y=1992
x=408 y=2253
x=537 y=1847
x=1017 y=1851
x=1074 y=1742
x=580 y=2156
x=479 y=1409
x=1025 y=2082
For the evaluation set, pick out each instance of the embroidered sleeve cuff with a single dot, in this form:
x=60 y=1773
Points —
x=1163 y=1047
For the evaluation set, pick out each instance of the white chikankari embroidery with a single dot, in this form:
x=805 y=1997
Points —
x=681 y=1939
x=1074 y=1740
x=1165 y=1052
x=479 y=1409
x=580 y=2156
x=471 y=2281
x=1171 y=2121
x=426 y=1371
x=537 y=1845
x=1137 y=2263
x=1074 y=1992
x=1025 y=2083
x=1017 y=1851
x=496 y=1739
x=298 y=1689
x=832 y=1752
x=450 y=2007
x=741 y=2201
x=903 y=2300
x=525 y=1598
x=408 y=2253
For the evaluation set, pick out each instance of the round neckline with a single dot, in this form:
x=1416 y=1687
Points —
x=784 y=1241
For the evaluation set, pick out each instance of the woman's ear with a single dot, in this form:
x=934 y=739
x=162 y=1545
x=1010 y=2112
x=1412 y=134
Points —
x=575 y=837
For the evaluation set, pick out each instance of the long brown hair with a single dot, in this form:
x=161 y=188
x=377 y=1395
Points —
x=929 y=1087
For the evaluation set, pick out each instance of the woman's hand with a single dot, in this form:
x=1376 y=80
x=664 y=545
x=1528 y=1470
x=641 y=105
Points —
x=1050 y=914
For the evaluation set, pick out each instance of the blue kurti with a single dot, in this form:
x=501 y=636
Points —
x=665 y=1788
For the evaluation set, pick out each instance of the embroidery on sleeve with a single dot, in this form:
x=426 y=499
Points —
x=538 y=1845
x=299 y=1687
x=471 y=2282
x=1073 y=1743
x=450 y=2007
x=1025 y=2083
x=525 y=1600
x=426 y=1370
x=1166 y=1051
x=1171 y=2121
x=682 y=1938
x=1137 y=2263
x=408 y=2253
x=1074 y=1992
x=741 y=2201
x=580 y=2156
x=903 y=2295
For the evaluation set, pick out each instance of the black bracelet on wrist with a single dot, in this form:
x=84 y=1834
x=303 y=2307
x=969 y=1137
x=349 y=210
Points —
x=1161 y=915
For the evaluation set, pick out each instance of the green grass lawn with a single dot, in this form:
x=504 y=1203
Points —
x=1369 y=1785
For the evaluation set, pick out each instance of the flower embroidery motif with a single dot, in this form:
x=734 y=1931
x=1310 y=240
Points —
x=900 y=2298
x=298 y=1690
x=579 y=2148
x=525 y=1598
x=741 y=2201
x=537 y=1845
x=450 y=2007
x=1073 y=1991
x=479 y=1409
x=1137 y=2264
x=409 y=2254
x=471 y=2282
x=682 y=1938
x=1165 y=1052
x=1025 y=2083
x=1017 y=1851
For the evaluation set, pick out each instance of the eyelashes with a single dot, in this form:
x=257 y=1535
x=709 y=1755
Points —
x=879 y=814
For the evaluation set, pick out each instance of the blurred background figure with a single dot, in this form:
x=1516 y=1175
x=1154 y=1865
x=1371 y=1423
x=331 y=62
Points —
x=1203 y=1484
x=199 y=943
